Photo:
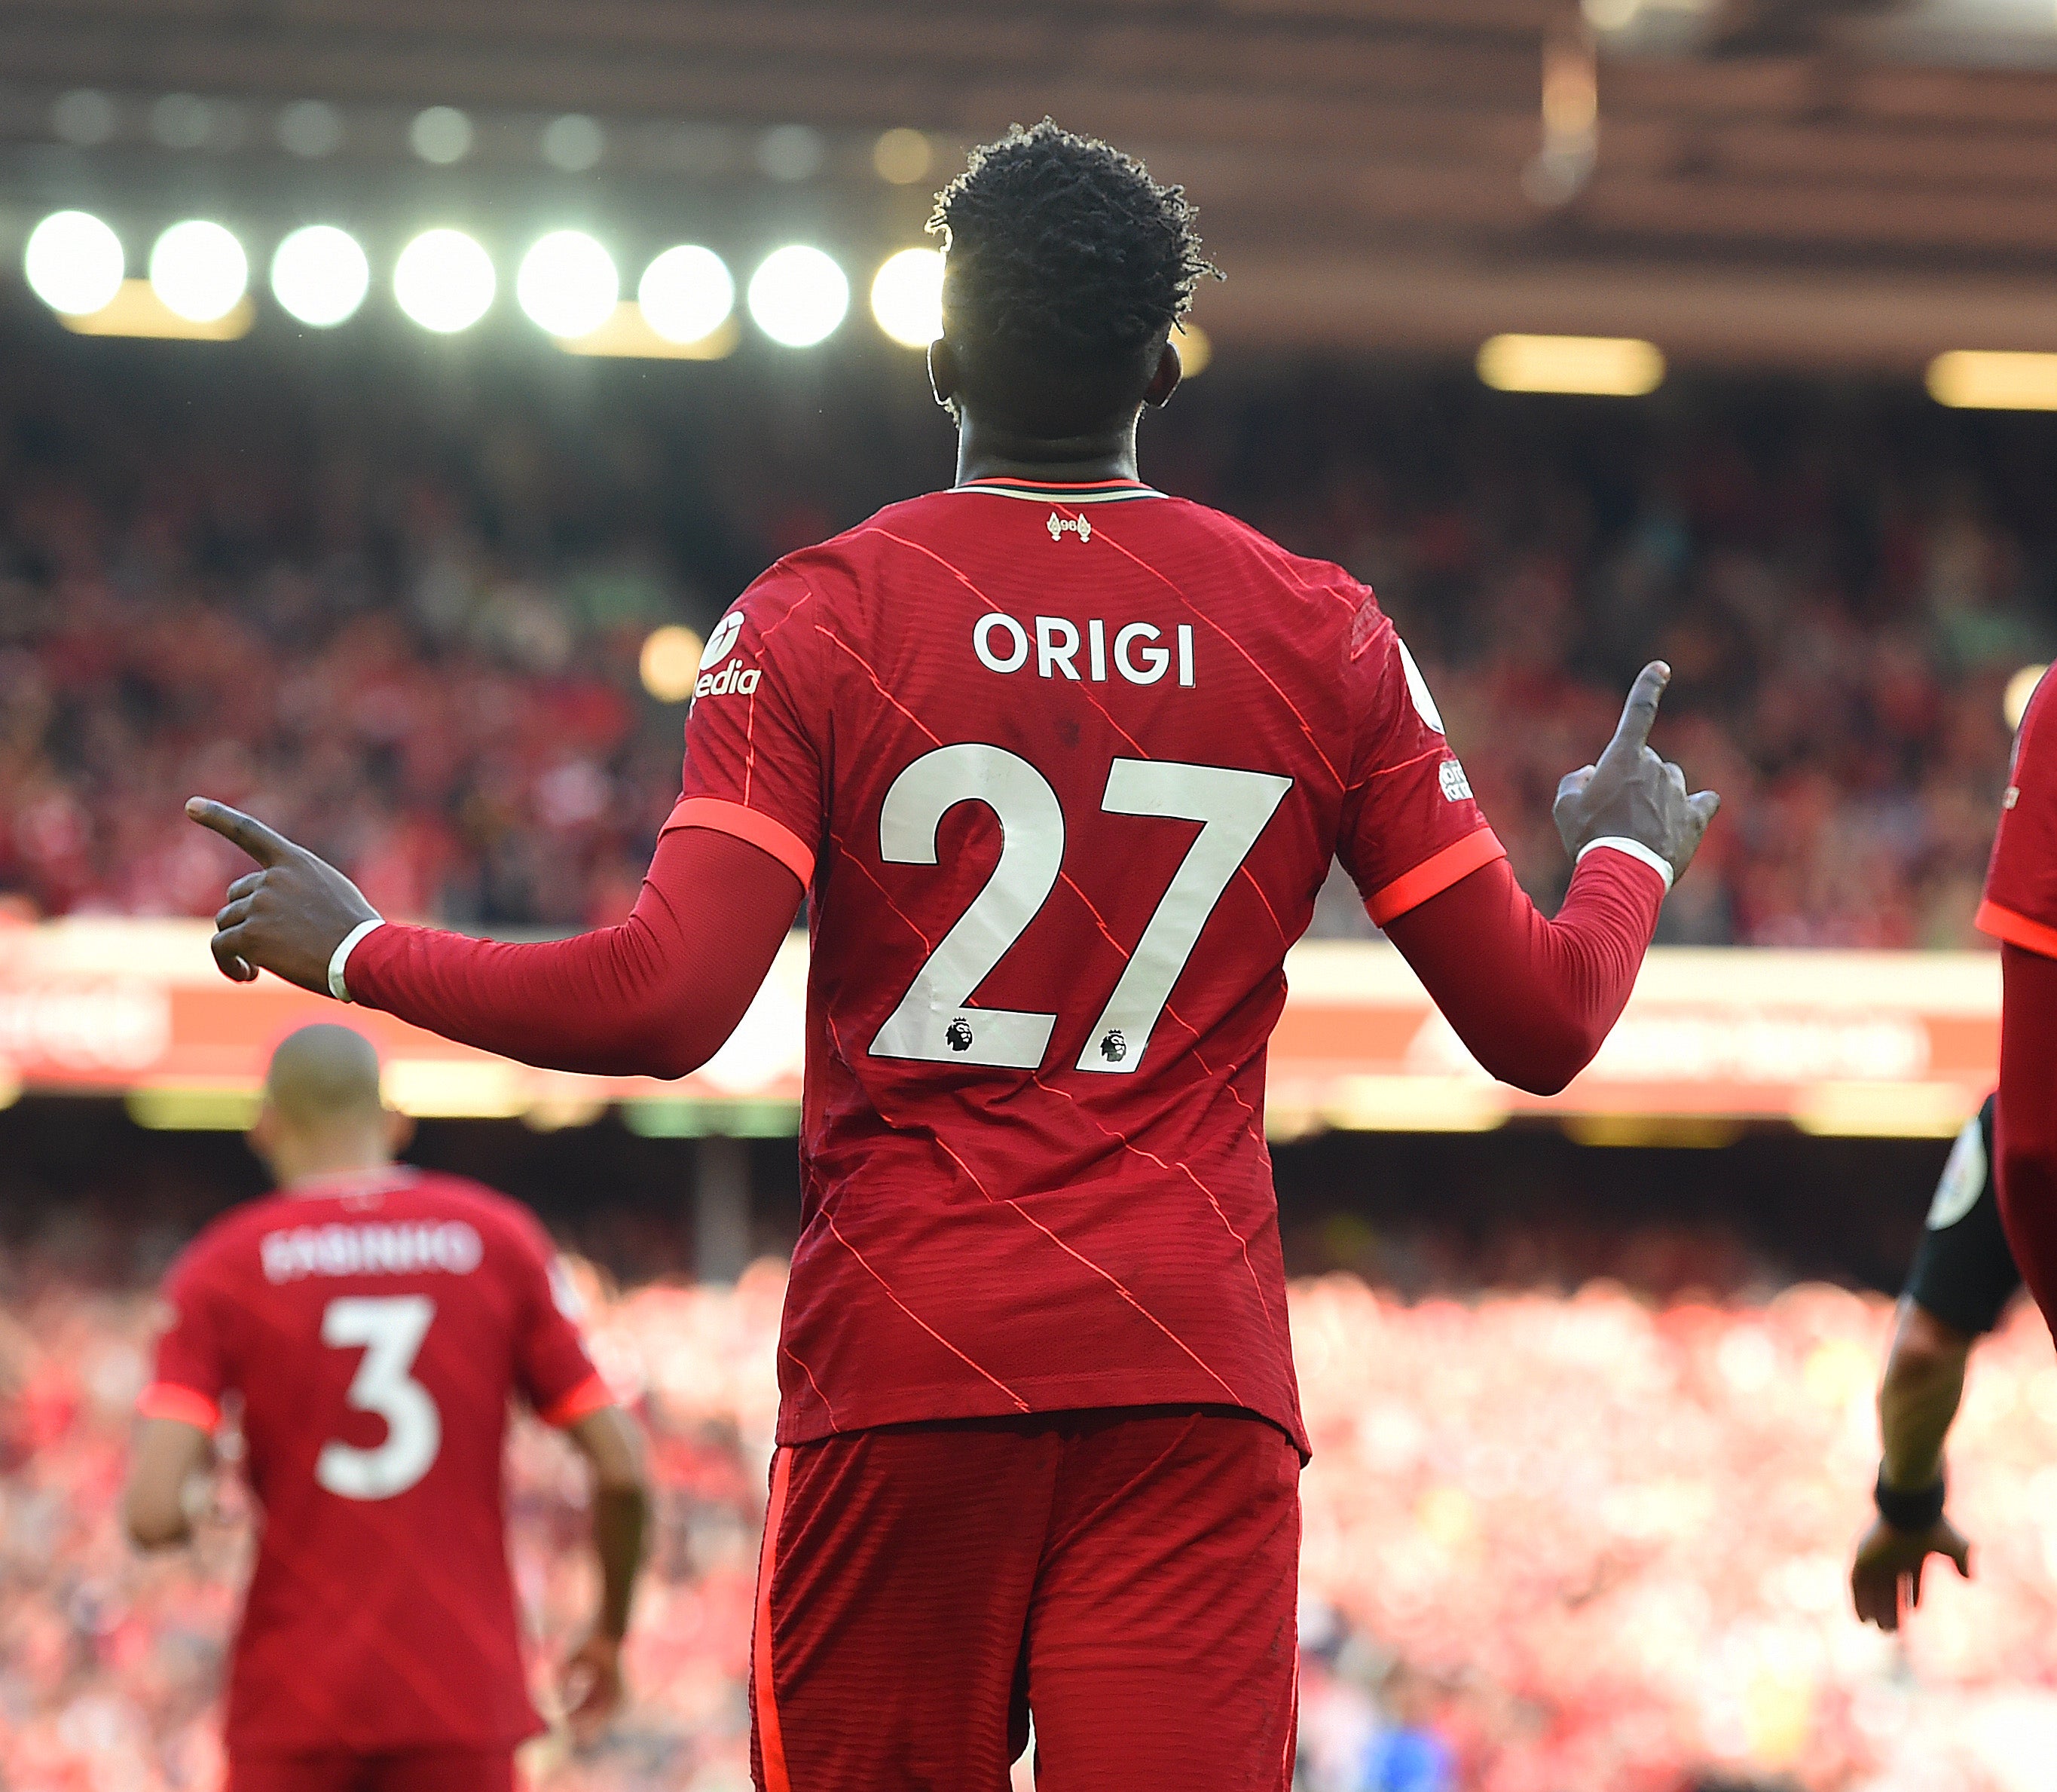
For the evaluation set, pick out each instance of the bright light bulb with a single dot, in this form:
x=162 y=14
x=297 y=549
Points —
x=907 y=297
x=444 y=281
x=567 y=285
x=798 y=296
x=687 y=293
x=74 y=263
x=670 y=662
x=199 y=270
x=320 y=276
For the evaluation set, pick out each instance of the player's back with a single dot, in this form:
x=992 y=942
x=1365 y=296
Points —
x=1074 y=763
x=375 y=1327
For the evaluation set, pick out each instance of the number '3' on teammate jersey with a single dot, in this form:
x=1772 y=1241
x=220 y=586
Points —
x=375 y=1328
x=1063 y=768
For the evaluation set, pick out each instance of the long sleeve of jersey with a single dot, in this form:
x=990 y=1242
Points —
x=1532 y=999
x=655 y=996
x=2025 y=1128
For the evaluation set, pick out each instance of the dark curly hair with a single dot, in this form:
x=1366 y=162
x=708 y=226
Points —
x=1065 y=258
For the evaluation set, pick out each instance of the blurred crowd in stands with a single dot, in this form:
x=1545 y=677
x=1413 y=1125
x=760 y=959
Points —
x=398 y=609
x=1589 y=1543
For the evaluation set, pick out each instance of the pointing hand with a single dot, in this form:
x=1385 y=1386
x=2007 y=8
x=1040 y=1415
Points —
x=287 y=916
x=1629 y=793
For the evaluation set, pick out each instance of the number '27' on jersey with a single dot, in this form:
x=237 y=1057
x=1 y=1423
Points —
x=1063 y=769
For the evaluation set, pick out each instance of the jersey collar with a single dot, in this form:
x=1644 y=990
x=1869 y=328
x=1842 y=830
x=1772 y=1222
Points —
x=349 y=1184
x=1039 y=491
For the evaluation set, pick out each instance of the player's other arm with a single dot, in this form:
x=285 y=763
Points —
x=167 y=1459
x=1918 y=1398
x=657 y=996
x=613 y=1448
x=1532 y=999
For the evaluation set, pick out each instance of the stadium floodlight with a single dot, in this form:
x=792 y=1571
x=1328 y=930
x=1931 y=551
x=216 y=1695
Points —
x=441 y=135
x=444 y=281
x=1977 y=379
x=798 y=296
x=902 y=156
x=1593 y=366
x=566 y=285
x=907 y=297
x=199 y=271
x=1611 y=15
x=74 y=263
x=320 y=275
x=670 y=662
x=687 y=293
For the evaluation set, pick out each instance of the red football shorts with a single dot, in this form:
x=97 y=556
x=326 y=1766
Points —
x=415 y=1771
x=1129 y=1576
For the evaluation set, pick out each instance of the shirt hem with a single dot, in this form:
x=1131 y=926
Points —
x=2002 y=923
x=811 y=1422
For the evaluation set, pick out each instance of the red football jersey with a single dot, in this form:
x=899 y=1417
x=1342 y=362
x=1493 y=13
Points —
x=374 y=1327
x=2020 y=904
x=1063 y=767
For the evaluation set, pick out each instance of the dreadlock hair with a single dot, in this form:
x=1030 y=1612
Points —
x=1068 y=266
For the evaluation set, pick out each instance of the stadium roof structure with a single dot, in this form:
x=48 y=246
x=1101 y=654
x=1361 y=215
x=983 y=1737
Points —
x=1817 y=181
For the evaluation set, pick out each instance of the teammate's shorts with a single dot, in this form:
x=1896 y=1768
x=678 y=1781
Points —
x=415 y=1771
x=1129 y=1576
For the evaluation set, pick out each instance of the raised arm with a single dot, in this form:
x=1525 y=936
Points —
x=1532 y=999
x=657 y=996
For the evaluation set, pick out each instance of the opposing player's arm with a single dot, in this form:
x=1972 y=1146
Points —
x=1532 y=999
x=167 y=1463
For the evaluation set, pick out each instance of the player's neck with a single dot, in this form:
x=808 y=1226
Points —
x=316 y=1164
x=990 y=450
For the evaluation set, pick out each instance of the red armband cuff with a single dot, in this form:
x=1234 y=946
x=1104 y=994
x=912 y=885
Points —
x=2017 y=929
x=753 y=825
x=167 y=1400
x=1434 y=875
x=590 y=1396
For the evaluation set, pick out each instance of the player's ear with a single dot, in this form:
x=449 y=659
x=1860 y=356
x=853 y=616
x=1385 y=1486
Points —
x=399 y=1131
x=943 y=369
x=1164 y=381
x=262 y=1137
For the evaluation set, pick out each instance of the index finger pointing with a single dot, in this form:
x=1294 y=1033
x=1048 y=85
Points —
x=1639 y=713
x=263 y=845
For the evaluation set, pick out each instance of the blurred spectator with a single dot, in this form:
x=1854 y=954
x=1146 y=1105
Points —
x=402 y=621
x=1550 y=1543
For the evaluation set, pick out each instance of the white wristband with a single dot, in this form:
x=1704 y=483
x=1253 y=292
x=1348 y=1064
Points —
x=341 y=956
x=1620 y=842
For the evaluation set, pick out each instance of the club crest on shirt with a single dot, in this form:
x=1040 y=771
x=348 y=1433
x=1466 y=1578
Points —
x=1061 y=526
